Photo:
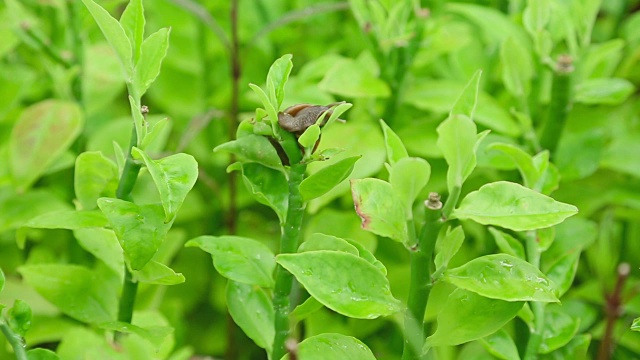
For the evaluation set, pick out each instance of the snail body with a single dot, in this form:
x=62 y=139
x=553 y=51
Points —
x=297 y=118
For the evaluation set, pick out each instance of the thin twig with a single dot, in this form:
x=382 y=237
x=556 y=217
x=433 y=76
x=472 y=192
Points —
x=613 y=310
x=300 y=14
x=236 y=72
x=195 y=126
x=208 y=181
x=45 y=46
x=202 y=14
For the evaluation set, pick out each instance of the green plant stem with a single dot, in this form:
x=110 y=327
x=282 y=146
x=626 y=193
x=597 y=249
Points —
x=128 y=299
x=129 y=172
x=127 y=181
x=559 y=106
x=420 y=288
x=288 y=244
x=452 y=200
x=535 y=338
x=73 y=8
x=14 y=340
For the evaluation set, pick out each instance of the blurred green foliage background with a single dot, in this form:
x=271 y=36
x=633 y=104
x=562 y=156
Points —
x=48 y=52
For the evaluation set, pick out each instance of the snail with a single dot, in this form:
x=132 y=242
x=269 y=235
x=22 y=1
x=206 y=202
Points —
x=297 y=118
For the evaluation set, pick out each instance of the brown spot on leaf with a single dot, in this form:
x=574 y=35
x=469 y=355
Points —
x=357 y=201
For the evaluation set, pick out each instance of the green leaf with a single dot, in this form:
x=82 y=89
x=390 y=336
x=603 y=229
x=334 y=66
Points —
x=343 y=282
x=549 y=179
x=132 y=21
x=337 y=111
x=2 y=280
x=115 y=35
x=277 y=79
x=332 y=346
x=42 y=133
x=156 y=335
x=272 y=112
x=466 y=102
x=508 y=244
x=119 y=155
x=95 y=176
x=349 y=78
x=174 y=177
x=381 y=210
x=493 y=25
x=19 y=317
x=620 y=155
x=64 y=219
x=530 y=174
x=526 y=315
x=512 y=206
x=458 y=141
x=160 y=131
x=253 y=148
x=157 y=273
x=395 y=148
x=612 y=91
x=503 y=277
x=239 y=259
x=577 y=348
x=543 y=44
x=139 y=228
x=68 y=219
x=327 y=242
x=439 y=96
x=448 y=245
x=559 y=328
x=636 y=324
x=304 y=310
x=310 y=136
x=147 y=69
x=19 y=208
x=251 y=308
x=268 y=186
x=104 y=245
x=467 y=316
x=573 y=235
x=320 y=182
x=501 y=345
x=368 y=255
x=77 y=291
x=408 y=177
x=563 y=271
x=602 y=59
x=41 y=354
x=536 y=15
x=85 y=343
x=517 y=68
